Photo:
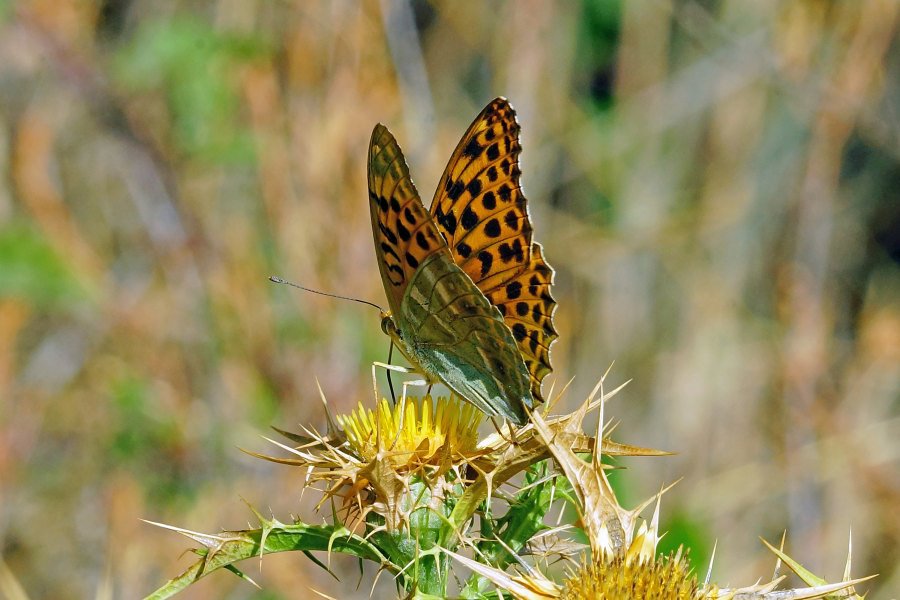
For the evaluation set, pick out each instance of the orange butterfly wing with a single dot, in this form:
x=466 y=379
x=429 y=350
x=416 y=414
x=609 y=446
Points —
x=404 y=233
x=481 y=211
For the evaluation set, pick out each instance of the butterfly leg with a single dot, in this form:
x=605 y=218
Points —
x=396 y=369
x=390 y=368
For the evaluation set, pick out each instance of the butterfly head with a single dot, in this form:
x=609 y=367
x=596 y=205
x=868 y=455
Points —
x=390 y=327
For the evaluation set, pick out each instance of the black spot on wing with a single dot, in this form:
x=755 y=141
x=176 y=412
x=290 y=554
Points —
x=388 y=249
x=473 y=149
x=486 y=259
x=512 y=252
x=519 y=332
x=447 y=221
x=455 y=190
x=403 y=232
x=422 y=241
x=388 y=234
x=512 y=220
x=534 y=343
x=469 y=219
x=492 y=228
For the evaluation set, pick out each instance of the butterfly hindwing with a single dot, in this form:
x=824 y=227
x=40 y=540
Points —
x=456 y=332
x=481 y=212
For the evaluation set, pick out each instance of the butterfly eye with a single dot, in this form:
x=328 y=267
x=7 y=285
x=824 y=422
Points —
x=389 y=327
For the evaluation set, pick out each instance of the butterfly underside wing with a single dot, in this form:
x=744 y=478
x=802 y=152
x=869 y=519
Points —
x=445 y=326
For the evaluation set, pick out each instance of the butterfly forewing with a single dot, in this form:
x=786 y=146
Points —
x=481 y=211
x=404 y=233
x=527 y=308
x=448 y=328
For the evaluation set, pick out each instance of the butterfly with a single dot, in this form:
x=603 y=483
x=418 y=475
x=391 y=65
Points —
x=469 y=292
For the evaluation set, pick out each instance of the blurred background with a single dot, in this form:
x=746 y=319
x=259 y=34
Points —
x=715 y=182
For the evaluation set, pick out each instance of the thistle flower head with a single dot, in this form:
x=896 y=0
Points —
x=419 y=432
x=614 y=577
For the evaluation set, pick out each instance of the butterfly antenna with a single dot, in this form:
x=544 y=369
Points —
x=275 y=279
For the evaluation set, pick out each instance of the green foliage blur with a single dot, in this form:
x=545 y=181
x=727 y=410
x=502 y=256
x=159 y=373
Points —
x=715 y=183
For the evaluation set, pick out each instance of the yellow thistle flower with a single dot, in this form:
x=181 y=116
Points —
x=417 y=433
x=665 y=578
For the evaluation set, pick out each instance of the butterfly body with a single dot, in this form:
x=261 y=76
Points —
x=468 y=290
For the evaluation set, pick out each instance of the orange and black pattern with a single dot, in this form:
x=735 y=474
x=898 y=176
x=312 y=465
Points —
x=405 y=234
x=482 y=213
